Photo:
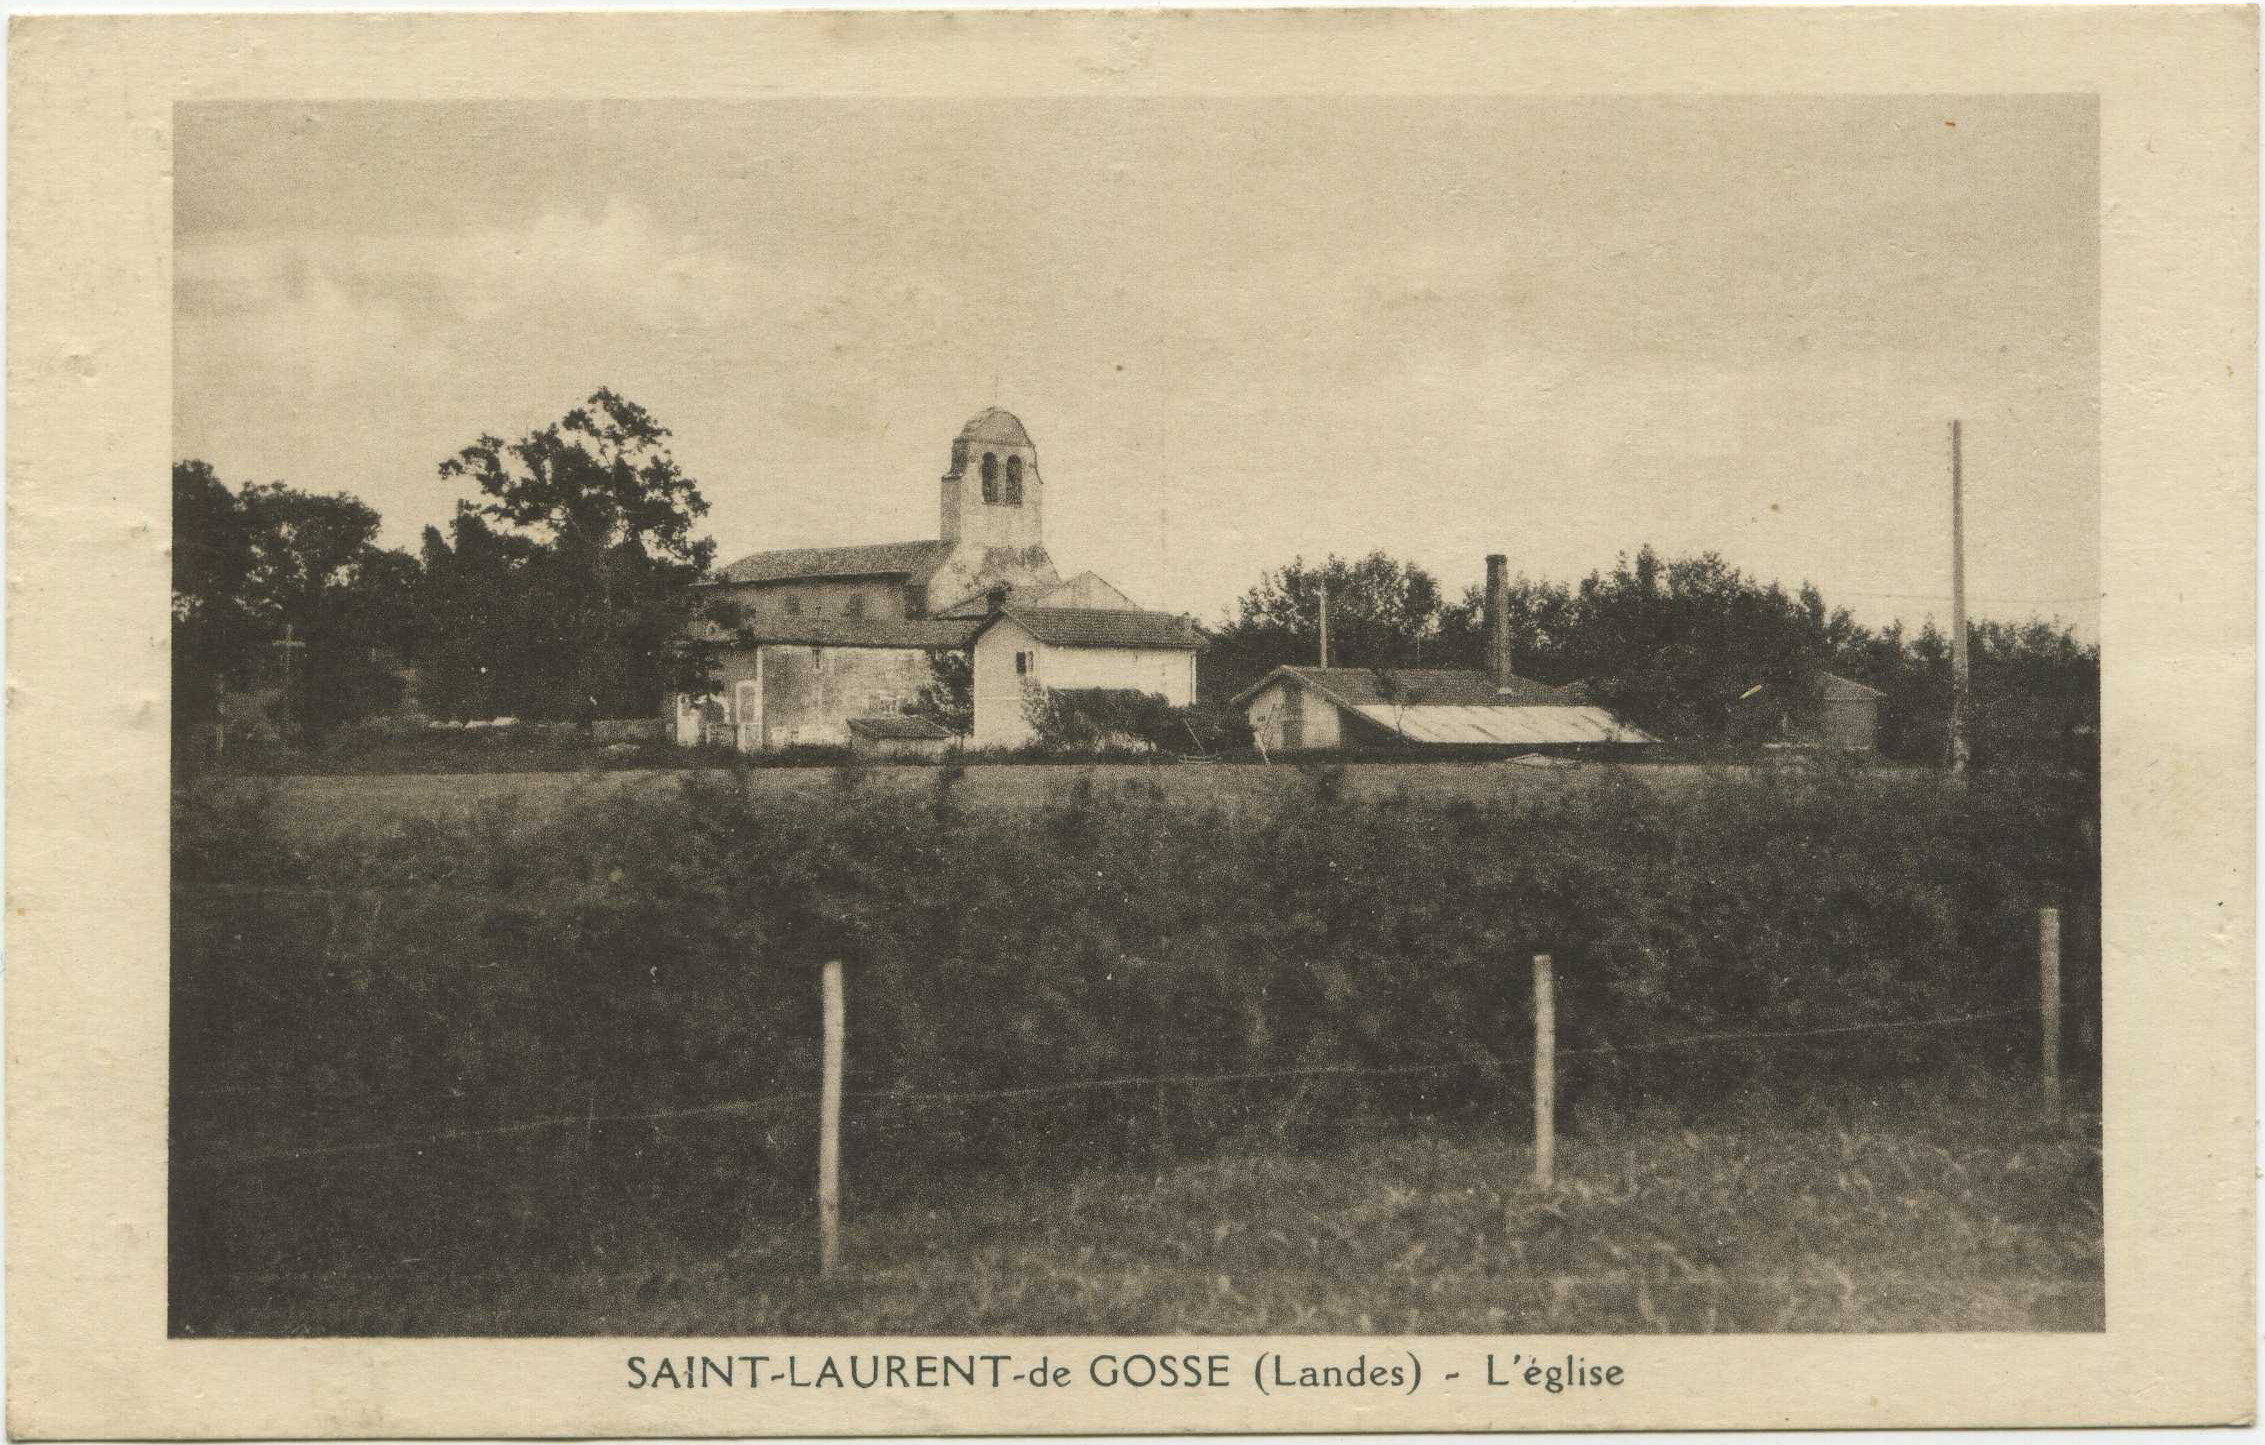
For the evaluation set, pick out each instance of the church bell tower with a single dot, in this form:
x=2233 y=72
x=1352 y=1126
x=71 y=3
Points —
x=993 y=497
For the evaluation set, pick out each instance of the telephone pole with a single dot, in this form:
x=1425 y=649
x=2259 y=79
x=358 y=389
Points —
x=1958 y=748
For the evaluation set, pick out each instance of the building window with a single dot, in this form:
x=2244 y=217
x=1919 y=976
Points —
x=990 y=477
x=1014 y=481
x=794 y=607
x=1022 y=664
x=959 y=455
x=855 y=606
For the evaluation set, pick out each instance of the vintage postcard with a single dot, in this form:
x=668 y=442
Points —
x=1035 y=722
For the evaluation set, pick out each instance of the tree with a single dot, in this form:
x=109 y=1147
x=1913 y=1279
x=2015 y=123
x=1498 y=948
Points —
x=1382 y=613
x=601 y=557
x=1542 y=618
x=1673 y=646
x=318 y=576
x=215 y=642
x=269 y=561
x=1670 y=645
x=948 y=697
x=2034 y=696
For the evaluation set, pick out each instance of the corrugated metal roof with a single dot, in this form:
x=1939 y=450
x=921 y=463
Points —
x=882 y=559
x=1524 y=725
x=921 y=632
x=896 y=727
x=1099 y=627
x=1441 y=686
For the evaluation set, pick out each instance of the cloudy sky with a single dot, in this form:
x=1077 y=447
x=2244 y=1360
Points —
x=1239 y=331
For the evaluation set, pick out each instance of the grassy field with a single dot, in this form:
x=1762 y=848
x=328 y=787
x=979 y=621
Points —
x=1944 y=1209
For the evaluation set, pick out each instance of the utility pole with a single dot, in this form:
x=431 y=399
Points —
x=1958 y=748
x=1325 y=619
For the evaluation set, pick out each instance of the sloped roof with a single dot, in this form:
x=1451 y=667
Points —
x=896 y=727
x=1831 y=687
x=1002 y=428
x=1836 y=688
x=915 y=560
x=1087 y=583
x=1522 y=724
x=1358 y=687
x=930 y=633
x=979 y=604
x=1104 y=627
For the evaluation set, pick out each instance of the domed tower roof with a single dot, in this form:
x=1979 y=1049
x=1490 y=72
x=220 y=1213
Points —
x=1000 y=428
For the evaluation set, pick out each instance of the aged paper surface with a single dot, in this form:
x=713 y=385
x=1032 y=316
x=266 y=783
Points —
x=99 y=113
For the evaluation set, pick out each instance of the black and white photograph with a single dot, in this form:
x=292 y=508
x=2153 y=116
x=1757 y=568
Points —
x=1216 y=721
x=1135 y=716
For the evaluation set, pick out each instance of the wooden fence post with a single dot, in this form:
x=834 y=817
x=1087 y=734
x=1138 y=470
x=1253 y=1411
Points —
x=1545 y=1073
x=830 y=1125
x=2049 y=1002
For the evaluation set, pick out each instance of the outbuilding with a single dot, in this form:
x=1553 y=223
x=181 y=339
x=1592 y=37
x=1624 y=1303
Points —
x=1306 y=709
x=1021 y=650
x=1833 y=713
x=899 y=735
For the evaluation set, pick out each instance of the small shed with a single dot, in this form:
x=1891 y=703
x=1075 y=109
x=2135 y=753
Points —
x=899 y=735
x=1834 y=712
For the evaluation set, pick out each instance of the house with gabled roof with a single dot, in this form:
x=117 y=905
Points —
x=816 y=637
x=1024 y=650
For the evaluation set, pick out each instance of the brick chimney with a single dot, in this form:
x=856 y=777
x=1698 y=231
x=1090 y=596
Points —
x=1498 y=620
x=996 y=598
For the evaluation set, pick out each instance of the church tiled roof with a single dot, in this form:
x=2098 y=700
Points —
x=915 y=560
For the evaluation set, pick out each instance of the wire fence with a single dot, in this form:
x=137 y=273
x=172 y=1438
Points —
x=905 y=1095
x=902 y=1097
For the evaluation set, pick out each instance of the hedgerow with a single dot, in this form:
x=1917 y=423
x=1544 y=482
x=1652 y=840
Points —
x=525 y=1039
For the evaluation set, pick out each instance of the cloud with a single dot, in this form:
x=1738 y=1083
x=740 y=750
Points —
x=617 y=266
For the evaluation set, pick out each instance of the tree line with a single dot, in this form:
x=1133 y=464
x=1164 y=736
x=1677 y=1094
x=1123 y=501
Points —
x=560 y=590
x=1675 y=646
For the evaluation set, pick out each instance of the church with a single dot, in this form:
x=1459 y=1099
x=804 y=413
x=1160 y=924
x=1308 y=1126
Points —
x=830 y=637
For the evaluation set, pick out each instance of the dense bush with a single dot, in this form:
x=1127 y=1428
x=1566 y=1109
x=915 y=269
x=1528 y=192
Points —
x=1112 y=720
x=534 y=1040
